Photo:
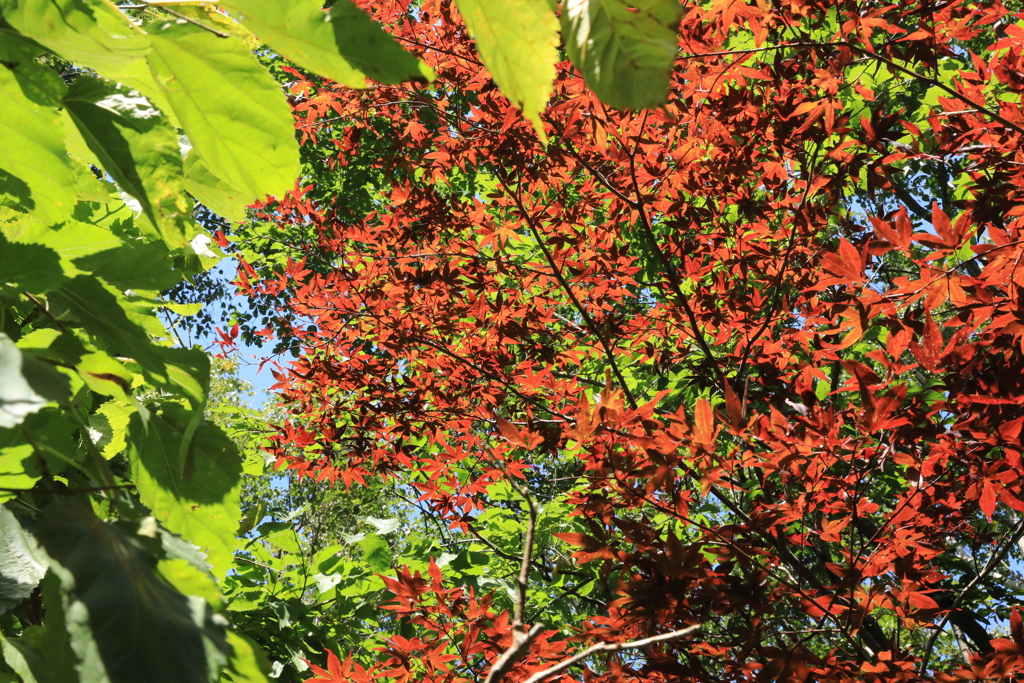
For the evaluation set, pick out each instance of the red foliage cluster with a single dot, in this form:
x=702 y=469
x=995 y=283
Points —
x=786 y=296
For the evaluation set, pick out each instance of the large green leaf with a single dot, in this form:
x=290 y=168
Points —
x=31 y=268
x=39 y=83
x=517 y=40
x=196 y=497
x=230 y=107
x=127 y=624
x=343 y=44
x=102 y=314
x=19 y=467
x=22 y=565
x=32 y=153
x=248 y=663
x=71 y=240
x=625 y=50
x=213 y=193
x=376 y=553
x=136 y=265
x=138 y=148
x=87 y=33
x=123 y=325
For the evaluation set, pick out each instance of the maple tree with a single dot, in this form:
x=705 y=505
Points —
x=749 y=361
x=131 y=131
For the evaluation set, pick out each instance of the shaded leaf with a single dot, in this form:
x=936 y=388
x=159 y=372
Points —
x=43 y=653
x=625 y=50
x=22 y=565
x=248 y=663
x=110 y=581
x=39 y=83
x=376 y=553
x=18 y=397
x=32 y=268
x=32 y=151
x=197 y=499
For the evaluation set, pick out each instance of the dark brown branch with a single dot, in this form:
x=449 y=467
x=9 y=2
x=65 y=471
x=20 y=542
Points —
x=992 y=563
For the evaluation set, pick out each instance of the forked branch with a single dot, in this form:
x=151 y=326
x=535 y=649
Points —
x=520 y=639
x=610 y=647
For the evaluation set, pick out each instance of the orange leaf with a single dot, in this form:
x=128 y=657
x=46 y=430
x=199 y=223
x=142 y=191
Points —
x=509 y=431
x=333 y=673
x=733 y=407
x=988 y=499
x=921 y=601
x=704 y=422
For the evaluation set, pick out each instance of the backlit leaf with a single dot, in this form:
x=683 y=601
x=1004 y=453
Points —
x=32 y=153
x=517 y=41
x=197 y=498
x=138 y=148
x=625 y=50
x=88 y=33
x=342 y=44
x=230 y=108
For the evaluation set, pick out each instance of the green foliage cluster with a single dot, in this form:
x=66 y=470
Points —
x=122 y=502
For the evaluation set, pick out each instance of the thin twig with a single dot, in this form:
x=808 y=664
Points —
x=194 y=22
x=610 y=647
x=520 y=640
x=992 y=563
x=560 y=278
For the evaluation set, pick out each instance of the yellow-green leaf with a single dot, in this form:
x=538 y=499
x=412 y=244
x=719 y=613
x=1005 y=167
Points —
x=517 y=40
x=230 y=107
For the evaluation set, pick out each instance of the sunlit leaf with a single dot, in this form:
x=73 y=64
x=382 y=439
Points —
x=343 y=43
x=34 y=167
x=197 y=498
x=517 y=41
x=231 y=109
x=138 y=148
x=89 y=33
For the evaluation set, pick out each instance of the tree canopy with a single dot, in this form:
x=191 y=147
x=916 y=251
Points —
x=613 y=341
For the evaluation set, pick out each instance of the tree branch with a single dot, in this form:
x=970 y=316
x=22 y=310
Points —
x=992 y=563
x=520 y=640
x=610 y=647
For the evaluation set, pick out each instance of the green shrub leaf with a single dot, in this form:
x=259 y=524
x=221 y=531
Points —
x=625 y=50
x=230 y=107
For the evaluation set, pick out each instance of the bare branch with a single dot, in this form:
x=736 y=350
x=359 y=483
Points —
x=520 y=640
x=610 y=647
x=994 y=561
